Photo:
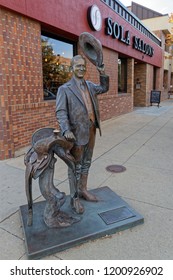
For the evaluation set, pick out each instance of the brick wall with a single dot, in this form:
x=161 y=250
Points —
x=22 y=108
x=140 y=94
x=111 y=103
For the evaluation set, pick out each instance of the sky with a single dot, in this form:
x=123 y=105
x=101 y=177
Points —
x=60 y=48
x=161 y=6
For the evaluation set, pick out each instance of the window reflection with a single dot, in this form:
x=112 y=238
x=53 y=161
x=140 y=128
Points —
x=56 y=57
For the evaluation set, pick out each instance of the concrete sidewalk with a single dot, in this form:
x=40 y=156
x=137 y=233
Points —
x=142 y=141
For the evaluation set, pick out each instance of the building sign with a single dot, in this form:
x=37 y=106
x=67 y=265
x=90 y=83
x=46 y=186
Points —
x=95 y=18
x=141 y=46
x=118 y=32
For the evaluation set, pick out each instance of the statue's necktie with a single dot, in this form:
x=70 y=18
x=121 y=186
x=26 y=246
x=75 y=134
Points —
x=87 y=100
x=82 y=86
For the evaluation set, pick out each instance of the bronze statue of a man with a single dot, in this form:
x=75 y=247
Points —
x=77 y=113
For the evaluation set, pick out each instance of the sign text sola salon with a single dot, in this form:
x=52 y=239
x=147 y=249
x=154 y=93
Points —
x=117 y=32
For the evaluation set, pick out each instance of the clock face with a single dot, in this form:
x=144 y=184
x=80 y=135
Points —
x=95 y=18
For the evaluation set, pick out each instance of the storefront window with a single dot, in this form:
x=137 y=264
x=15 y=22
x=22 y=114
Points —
x=56 y=57
x=122 y=75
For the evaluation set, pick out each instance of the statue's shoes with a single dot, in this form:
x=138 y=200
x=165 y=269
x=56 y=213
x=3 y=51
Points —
x=88 y=196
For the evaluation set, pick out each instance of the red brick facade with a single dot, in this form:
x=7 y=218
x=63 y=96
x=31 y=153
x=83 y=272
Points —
x=22 y=109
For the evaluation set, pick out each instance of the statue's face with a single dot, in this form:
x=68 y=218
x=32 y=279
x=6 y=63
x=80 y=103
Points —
x=79 y=68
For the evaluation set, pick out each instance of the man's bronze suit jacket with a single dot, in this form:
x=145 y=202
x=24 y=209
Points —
x=71 y=111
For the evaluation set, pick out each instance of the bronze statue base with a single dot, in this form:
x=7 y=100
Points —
x=105 y=217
